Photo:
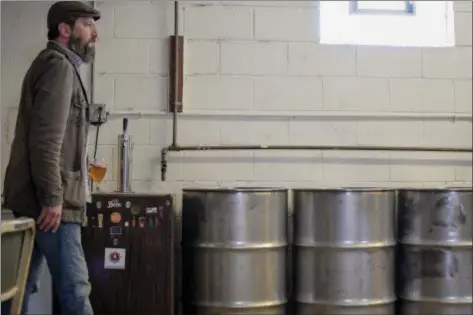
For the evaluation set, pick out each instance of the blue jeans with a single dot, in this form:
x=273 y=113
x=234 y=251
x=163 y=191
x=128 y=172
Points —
x=65 y=258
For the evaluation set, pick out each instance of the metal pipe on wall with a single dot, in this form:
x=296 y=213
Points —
x=334 y=115
x=176 y=76
x=175 y=147
x=92 y=69
x=165 y=151
x=317 y=147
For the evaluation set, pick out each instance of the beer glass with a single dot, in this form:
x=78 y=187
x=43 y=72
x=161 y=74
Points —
x=97 y=170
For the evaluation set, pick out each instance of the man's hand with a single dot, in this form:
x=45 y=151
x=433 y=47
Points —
x=50 y=218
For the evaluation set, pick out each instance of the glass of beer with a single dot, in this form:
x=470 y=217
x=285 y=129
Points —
x=97 y=170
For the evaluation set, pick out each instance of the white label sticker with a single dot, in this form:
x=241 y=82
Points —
x=115 y=203
x=114 y=258
x=150 y=210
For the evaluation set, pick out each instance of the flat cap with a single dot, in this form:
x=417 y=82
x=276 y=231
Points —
x=62 y=11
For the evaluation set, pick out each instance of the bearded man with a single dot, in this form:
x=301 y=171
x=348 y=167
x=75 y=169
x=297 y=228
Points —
x=46 y=177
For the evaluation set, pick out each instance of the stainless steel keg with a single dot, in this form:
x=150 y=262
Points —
x=234 y=247
x=435 y=236
x=344 y=251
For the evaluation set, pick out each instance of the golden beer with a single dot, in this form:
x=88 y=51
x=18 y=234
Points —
x=97 y=172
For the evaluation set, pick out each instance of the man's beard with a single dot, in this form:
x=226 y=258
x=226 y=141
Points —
x=85 y=50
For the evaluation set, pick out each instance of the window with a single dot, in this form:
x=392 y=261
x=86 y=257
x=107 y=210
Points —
x=387 y=23
x=382 y=7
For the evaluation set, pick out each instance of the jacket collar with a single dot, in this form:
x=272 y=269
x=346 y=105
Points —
x=72 y=56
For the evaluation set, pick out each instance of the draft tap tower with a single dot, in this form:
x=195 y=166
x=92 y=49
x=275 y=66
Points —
x=125 y=147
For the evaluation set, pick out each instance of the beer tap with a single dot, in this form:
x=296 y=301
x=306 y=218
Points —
x=125 y=157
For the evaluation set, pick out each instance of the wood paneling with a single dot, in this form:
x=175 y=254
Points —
x=146 y=285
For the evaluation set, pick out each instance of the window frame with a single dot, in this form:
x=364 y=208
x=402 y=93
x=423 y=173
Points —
x=409 y=9
x=431 y=26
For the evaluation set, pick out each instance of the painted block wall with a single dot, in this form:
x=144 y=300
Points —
x=251 y=80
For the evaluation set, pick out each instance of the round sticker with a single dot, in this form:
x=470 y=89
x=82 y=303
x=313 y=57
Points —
x=115 y=217
x=135 y=210
x=114 y=257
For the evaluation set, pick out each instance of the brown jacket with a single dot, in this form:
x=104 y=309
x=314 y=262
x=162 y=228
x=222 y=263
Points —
x=46 y=161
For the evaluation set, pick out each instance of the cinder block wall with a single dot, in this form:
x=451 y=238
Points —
x=251 y=80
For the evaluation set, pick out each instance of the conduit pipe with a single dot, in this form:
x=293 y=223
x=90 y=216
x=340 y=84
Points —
x=176 y=76
x=92 y=70
x=175 y=147
x=165 y=151
x=334 y=115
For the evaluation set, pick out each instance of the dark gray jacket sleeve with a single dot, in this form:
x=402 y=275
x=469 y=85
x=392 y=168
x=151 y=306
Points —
x=49 y=118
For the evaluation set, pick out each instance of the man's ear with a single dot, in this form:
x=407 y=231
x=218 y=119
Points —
x=65 y=30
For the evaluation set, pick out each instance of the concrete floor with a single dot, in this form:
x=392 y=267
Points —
x=42 y=302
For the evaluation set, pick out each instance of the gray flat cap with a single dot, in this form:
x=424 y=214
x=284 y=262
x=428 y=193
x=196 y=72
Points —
x=63 y=11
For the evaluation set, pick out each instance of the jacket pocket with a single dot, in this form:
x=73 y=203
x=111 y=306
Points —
x=74 y=189
x=74 y=139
